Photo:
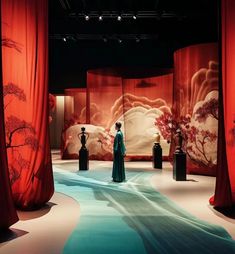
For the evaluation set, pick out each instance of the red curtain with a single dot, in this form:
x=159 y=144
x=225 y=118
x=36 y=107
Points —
x=8 y=214
x=225 y=181
x=196 y=105
x=25 y=80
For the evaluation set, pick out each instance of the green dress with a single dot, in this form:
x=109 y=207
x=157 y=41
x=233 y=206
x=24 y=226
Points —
x=118 y=158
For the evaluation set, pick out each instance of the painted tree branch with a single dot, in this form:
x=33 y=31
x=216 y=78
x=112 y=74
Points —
x=9 y=43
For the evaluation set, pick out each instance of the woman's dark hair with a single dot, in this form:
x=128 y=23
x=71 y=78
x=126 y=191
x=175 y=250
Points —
x=118 y=125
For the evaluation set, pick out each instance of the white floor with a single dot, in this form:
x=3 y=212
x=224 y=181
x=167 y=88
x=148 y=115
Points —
x=193 y=195
x=46 y=231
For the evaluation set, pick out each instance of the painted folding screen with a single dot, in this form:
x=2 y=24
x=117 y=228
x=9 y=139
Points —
x=104 y=93
x=144 y=101
x=225 y=177
x=196 y=105
x=136 y=103
x=25 y=71
x=97 y=116
x=75 y=113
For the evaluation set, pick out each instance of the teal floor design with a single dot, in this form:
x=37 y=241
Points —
x=132 y=218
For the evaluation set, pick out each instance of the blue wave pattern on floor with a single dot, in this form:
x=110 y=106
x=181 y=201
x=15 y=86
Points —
x=132 y=218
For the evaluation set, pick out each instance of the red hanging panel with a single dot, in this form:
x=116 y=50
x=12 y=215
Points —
x=25 y=80
x=225 y=181
x=196 y=105
x=8 y=214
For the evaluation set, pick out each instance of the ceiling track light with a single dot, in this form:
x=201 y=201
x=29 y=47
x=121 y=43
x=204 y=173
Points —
x=121 y=15
x=104 y=37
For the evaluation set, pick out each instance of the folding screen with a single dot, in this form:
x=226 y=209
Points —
x=136 y=103
x=196 y=105
x=225 y=177
x=25 y=71
x=56 y=120
x=144 y=101
x=75 y=113
x=97 y=116
x=105 y=100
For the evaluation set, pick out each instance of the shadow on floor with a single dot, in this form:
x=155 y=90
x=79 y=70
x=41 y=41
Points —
x=228 y=212
x=10 y=234
x=29 y=215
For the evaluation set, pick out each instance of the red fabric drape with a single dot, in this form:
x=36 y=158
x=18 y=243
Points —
x=25 y=80
x=196 y=105
x=8 y=214
x=225 y=181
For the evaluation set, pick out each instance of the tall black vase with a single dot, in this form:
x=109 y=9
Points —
x=179 y=166
x=157 y=156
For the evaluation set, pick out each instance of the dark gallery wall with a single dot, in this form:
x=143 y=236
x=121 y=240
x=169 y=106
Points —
x=70 y=61
x=188 y=24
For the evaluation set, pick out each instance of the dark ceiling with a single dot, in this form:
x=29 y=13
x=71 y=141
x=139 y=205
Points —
x=147 y=42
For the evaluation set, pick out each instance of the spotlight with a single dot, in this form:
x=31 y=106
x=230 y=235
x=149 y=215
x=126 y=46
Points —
x=120 y=40
x=64 y=39
x=87 y=17
x=100 y=18
x=134 y=17
x=119 y=18
x=105 y=39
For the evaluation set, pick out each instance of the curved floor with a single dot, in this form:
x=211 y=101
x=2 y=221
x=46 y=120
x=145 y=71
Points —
x=44 y=231
x=132 y=217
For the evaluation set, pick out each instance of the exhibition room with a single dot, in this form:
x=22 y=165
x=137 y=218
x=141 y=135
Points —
x=117 y=126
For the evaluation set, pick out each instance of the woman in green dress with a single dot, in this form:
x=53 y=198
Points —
x=119 y=152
